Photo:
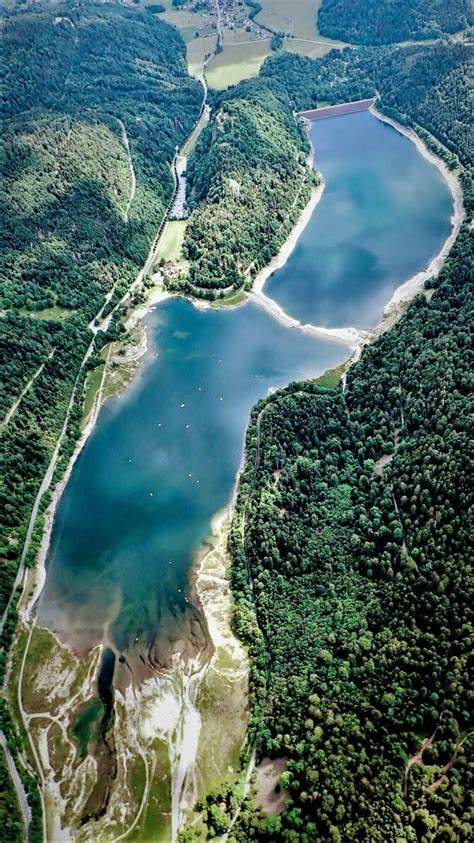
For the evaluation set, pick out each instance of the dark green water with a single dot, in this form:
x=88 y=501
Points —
x=160 y=463
x=164 y=455
x=385 y=212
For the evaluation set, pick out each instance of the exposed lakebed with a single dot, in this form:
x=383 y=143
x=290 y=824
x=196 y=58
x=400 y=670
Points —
x=163 y=457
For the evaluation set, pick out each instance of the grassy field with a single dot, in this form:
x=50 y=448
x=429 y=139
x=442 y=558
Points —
x=332 y=377
x=238 y=297
x=191 y=143
x=307 y=48
x=296 y=18
x=171 y=241
x=236 y=62
x=57 y=313
x=236 y=36
x=197 y=52
x=245 y=60
x=91 y=388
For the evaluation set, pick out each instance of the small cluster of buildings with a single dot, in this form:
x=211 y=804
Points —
x=171 y=270
x=234 y=15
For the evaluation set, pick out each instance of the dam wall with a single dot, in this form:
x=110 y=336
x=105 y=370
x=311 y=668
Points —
x=337 y=110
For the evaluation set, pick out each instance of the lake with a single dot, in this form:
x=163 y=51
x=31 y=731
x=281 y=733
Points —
x=164 y=455
x=160 y=463
x=385 y=212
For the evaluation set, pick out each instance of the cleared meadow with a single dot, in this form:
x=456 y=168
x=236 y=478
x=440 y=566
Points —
x=171 y=242
x=236 y=62
x=197 y=52
x=297 y=19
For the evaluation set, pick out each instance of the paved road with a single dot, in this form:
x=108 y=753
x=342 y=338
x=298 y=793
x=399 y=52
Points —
x=20 y=790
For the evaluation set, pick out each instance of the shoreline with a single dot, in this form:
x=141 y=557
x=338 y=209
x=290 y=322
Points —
x=50 y=511
x=351 y=337
x=280 y=259
x=408 y=289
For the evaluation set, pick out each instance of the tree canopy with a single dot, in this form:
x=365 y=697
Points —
x=248 y=182
x=376 y=22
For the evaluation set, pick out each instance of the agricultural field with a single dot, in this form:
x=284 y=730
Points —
x=236 y=62
x=237 y=36
x=242 y=61
x=307 y=48
x=242 y=57
x=297 y=19
x=171 y=241
x=198 y=51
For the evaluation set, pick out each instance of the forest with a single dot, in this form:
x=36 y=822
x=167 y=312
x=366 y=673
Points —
x=352 y=524
x=80 y=90
x=350 y=542
x=375 y=22
x=248 y=182
x=428 y=88
x=69 y=236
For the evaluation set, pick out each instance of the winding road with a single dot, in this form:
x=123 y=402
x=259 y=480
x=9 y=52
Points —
x=25 y=389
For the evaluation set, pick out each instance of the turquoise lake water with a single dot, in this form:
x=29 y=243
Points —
x=161 y=462
x=385 y=212
x=163 y=457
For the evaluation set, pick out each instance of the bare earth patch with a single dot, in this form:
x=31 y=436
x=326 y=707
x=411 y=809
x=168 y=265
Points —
x=268 y=775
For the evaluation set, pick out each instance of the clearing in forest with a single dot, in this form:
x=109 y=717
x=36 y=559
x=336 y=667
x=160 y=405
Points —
x=237 y=62
x=171 y=241
x=298 y=19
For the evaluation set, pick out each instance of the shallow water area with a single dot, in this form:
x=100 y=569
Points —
x=384 y=213
x=160 y=463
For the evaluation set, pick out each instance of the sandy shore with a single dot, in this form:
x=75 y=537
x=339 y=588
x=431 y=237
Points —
x=414 y=285
x=281 y=258
x=354 y=337
x=351 y=337
x=155 y=297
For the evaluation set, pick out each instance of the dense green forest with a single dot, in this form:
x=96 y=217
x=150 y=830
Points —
x=350 y=542
x=69 y=236
x=387 y=21
x=81 y=89
x=361 y=584
x=68 y=82
x=248 y=182
x=10 y=816
x=428 y=88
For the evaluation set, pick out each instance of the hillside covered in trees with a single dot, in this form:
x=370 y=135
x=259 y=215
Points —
x=428 y=88
x=90 y=92
x=376 y=22
x=248 y=182
x=351 y=553
x=73 y=231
